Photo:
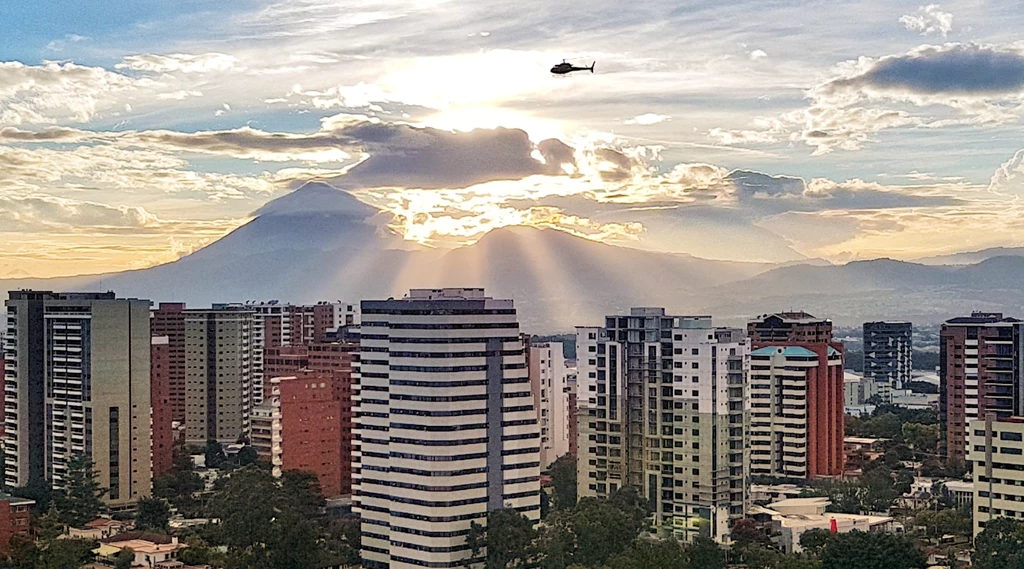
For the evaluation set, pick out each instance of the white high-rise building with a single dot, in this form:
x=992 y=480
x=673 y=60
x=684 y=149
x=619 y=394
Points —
x=996 y=451
x=446 y=428
x=662 y=408
x=549 y=381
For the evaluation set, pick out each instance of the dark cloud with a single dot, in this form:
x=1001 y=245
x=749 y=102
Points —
x=776 y=194
x=953 y=69
x=52 y=134
x=403 y=155
x=243 y=142
x=757 y=184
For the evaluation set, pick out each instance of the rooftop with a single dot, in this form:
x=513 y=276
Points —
x=786 y=351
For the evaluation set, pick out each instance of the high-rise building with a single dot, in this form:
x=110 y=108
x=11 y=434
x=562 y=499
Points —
x=888 y=353
x=979 y=373
x=78 y=383
x=284 y=434
x=789 y=327
x=667 y=417
x=549 y=382
x=218 y=356
x=797 y=393
x=308 y=428
x=997 y=455
x=160 y=401
x=281 y=361
x=574 y=434
x=276 y=324
x=168 y=320
x=446 y=426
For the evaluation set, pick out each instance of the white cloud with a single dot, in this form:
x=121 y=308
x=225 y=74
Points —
x=929 y=20
x=758 y=54
x=179 y=63
x=56 y=92
x=648 y=119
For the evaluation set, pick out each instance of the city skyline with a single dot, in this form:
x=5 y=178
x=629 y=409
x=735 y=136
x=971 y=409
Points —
x=130 y=135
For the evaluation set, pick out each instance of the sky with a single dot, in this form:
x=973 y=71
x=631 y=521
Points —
x=132 y=133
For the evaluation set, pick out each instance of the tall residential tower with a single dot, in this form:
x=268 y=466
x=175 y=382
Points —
x=78 y=382
x=666 y=414
x=446 y=425
x=888 y=352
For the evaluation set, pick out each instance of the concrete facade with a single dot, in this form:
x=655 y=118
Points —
x=219 y=379
x=78 y=383
x=796 y=410
x=996 y=450
x=888 y=356
x=446 y=426
x=549 y=382
x=981 y=358
x=666 y=414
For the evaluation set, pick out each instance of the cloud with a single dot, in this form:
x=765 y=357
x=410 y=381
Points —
x=41 y=212
x=402 y=155
x=951 y=70
x=249 y=143
x=51 y=134
x=929 y=20
x=179 y=63
x=929 y=87
x=59 y=92
x=648 y=119
x=758 y=54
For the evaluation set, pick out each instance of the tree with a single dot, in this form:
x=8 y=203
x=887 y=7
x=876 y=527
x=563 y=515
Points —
x=942 y=522
x=1000 y=545
x=563 y=482
x=179 y=486
x=66 y=554
x=745 y=533
x=662 y=554
x=153 y=515
x=704 y=553
x=862 y=550
x=813 y=540
x=302 y=490
x=508 y=539
x=124 y=559
x=246 y=456
x=593 y=531
x=263 y=525
x=215 y=457
x=82 y=498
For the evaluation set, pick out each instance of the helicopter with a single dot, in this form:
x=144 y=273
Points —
x=564 y=68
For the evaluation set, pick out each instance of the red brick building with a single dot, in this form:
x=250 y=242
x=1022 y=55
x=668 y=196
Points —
x=314 y=424
x=280 y=361
x=14 y=520
x=312 y=429
x=160 y=402
x=168 y=320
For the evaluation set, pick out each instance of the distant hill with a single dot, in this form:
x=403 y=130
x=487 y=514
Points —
x=971 y=257
x=320 y=243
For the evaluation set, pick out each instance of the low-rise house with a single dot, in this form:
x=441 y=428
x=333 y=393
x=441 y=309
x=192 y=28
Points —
x=98 y=529
x=151 y=550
